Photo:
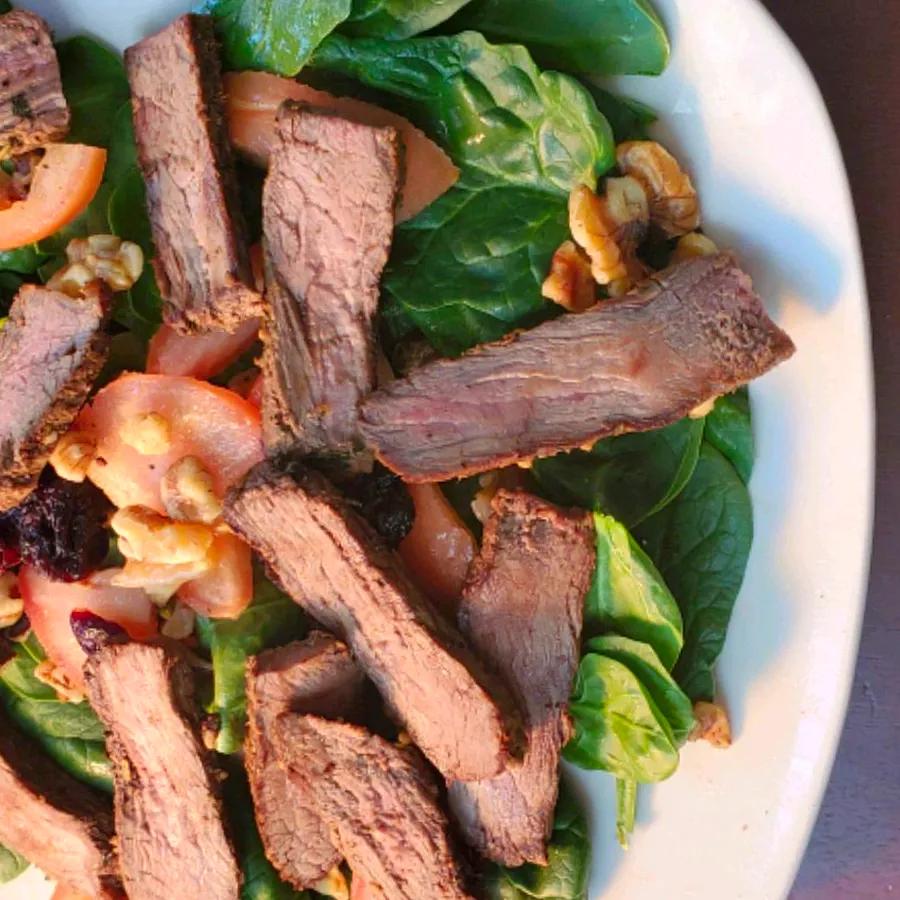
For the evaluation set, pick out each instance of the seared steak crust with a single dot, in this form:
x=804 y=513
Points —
x=202 y=262
x=690 y=333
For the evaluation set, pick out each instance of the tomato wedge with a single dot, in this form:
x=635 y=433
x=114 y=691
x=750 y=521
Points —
x=252 y=101
x=227 y=589
x=63 y=892
x=215 y=425
x=198 y=355
x=439 y=548
x=49 y=604
x=64 y=183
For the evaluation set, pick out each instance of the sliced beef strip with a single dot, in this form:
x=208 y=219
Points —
x=381 y=805
x=51 y=350
x=334 y=564
x=328 y=217
x=522 y=612
x=693 y=332
x=170 y=832
x=316 y=675
x=33 y=110
x=59 y=824
x=202 y=262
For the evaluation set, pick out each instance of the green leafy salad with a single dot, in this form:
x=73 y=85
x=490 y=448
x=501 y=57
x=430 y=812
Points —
x=513 y=94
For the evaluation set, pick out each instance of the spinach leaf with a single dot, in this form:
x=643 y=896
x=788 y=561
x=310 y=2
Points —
x=628 y=118
x=626 y=808
x=643 y=661
x=491 y=106
x=122 y=151
x=5 y=6
x=395 y=19
x=596 y=37
x=469 y=268
x=628 y=595
x=94 y=82
x=278 y=35
x=629 y=477
x=261 y=881
x=700 y=543
x=11 y=864
x=23 y=260
x=565 y=877
x=272 y=619
x=729 y=430
x=70 y=733
x=10 y=282
x=618 y=726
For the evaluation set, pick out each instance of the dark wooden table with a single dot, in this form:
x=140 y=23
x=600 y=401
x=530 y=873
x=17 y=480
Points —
x=853 y=47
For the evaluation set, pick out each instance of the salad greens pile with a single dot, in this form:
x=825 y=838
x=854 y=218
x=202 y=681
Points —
x=510 y=90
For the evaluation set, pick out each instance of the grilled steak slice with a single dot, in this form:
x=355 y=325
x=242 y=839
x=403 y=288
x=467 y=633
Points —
x=170 y=832
x=33 y=109
x=692 y=332
x=380 y=803
x=334 y=564
x=316 y=675
x=328 y=217
x=202 y=262
x=522 y=612
x=59 y=824
x=51 y=350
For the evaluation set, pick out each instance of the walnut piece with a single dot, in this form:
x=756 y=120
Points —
x=148 y=433
x=11 y=605
x=101 y=256
x=73 y=455
x=672 y=199
x=570 y=282
x=146 y=536
x=693 y=245
x=188 y=492
x=712 y=724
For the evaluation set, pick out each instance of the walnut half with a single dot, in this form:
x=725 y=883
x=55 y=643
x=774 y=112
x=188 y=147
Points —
x=570 y=282
x=712 y=724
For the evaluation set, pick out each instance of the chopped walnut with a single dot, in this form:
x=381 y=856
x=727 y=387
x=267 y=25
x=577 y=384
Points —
x=693 y=245
x=570 y=282
x=712 y=724
x=333 y=885
x=101 y=256
x=146 y=536
x=702 y=410
x=11 y=605
x=148 y=433
x=188 y=492
x=73 y=455
x=610 y=228
x=48 y=673
x=672 y=199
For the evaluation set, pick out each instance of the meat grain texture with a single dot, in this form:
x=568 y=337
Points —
x=51 y=350
x=690 y=333
x=170 y=832
x=381 y=804
x=316 y=675
x=59 y=824
x=334 y=564
x=522 y=612
x=202 y=262
x=33 y=110
x=328 y=217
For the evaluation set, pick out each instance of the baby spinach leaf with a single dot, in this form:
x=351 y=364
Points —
x=85 y=760
x=491 y=106
x=122 y=151
x=272 y=619
x=701 y=543
x=565 y=877
x=596 y=37
x=94 y=82
x=729 y=430
x=10 y=282
x=11 y=864
x=643 y=661
x=261 y=881
x=23 y=260
x=626 y=808
x=278 y=35
x=395 y=19
x=628 y=118
x=469 y=268
x=629 y=477
x=628 y=595
x=618 y=727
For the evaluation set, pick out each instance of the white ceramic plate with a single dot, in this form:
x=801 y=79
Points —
x=739 y=107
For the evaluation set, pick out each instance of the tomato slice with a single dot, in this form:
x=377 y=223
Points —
x=198 y=355
x=64 y=892
x=439 y=548
x=49 y=604
x=215 y=425
x=64 y=183
x=252 y=101
x=227 y=589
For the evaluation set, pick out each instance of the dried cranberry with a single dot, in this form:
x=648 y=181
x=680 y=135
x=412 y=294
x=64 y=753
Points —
x=94 y=632
x=383 y=500
x=19 y=630
x=61 y=528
